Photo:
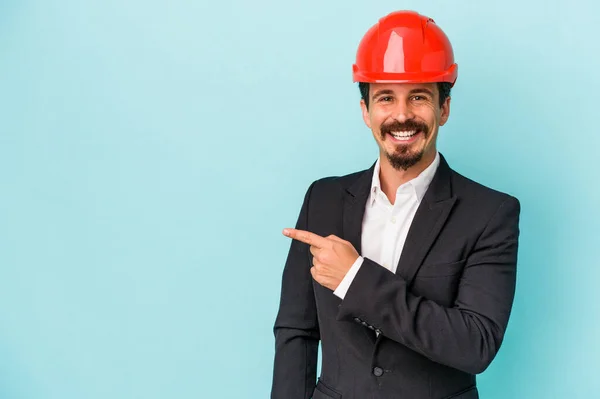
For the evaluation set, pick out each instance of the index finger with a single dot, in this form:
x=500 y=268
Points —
x=306 y=237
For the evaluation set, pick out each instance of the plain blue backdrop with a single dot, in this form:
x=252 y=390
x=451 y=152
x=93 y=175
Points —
x=152 y=152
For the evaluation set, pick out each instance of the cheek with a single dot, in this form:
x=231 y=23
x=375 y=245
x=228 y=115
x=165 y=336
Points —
x=381 y=116
x=428 y=110
x=429 y=114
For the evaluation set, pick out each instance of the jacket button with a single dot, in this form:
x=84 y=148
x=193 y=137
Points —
x=356 y=319
x=377 y=371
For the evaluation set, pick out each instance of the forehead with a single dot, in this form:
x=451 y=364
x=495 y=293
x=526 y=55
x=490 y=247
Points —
x=401 y=88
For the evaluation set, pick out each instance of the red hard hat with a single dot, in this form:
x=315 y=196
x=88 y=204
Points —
x=405 y=47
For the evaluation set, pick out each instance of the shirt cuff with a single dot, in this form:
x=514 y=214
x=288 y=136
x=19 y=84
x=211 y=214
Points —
x=341 y=290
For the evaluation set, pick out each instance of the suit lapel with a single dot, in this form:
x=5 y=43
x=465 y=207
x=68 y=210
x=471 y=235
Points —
x=427 y=223
x=355 y=200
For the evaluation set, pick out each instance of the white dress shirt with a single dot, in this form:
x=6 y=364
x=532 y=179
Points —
x=385 y=226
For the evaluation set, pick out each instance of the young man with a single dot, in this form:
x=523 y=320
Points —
x=405 y=271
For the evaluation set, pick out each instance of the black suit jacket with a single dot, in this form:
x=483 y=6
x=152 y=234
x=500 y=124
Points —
x=441 y=317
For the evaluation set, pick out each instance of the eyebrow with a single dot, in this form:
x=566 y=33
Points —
x=413 y=91
x=422 y=90
x=382 y=92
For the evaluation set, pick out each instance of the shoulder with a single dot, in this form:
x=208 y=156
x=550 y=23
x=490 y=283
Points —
x=477 y=195
x=339 y=182
x=332 y=186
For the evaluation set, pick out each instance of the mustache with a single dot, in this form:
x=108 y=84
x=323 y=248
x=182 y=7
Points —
x=410 y=124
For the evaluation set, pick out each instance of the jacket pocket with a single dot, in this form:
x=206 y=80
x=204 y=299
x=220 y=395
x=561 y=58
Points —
x=469 y=393
x=322 y=391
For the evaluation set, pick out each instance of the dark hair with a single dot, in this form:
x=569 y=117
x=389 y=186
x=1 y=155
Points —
x=443 y=88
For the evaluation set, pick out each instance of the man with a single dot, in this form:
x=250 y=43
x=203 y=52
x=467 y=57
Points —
x=405 y=271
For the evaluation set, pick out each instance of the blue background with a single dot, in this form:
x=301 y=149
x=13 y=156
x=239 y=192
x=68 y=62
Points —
x=151 y=152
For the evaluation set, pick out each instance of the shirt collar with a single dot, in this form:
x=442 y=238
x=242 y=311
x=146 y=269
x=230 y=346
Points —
x=420 y=183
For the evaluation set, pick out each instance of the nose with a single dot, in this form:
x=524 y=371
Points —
x=403 y=111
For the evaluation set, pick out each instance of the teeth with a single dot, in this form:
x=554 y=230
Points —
x=404 y=134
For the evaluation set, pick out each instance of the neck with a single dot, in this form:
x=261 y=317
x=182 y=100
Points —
x=390 y=178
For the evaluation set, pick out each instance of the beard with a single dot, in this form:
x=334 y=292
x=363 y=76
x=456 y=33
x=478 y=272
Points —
x=404 y=157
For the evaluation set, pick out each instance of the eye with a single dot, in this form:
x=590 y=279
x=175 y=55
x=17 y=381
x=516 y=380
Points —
x=385 y=99
x=419 y=98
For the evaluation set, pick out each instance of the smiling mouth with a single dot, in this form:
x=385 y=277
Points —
x=404 y=135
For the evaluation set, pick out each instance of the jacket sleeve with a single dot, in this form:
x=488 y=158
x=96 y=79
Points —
x=467 y=335
x=296 y=326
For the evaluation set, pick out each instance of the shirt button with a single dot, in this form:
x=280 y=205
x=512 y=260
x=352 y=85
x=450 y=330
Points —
x=377 y=371
x=393 y=220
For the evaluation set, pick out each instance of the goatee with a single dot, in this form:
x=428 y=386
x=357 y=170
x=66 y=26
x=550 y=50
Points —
x=403 y=158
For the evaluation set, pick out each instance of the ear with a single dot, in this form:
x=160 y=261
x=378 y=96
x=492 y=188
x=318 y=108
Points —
x=365 y=113
x=445 y=112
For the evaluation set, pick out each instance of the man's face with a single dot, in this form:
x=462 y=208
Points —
x=404 y=119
